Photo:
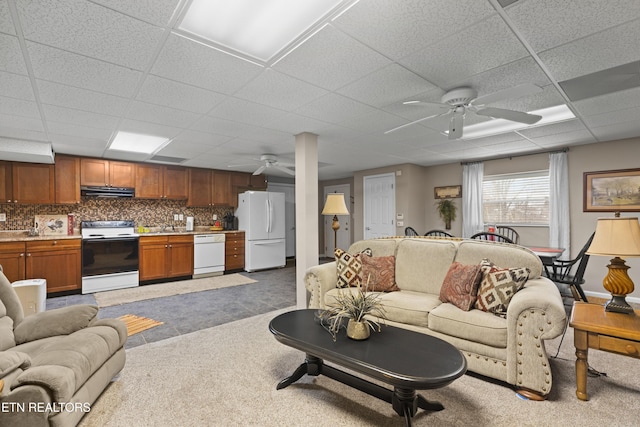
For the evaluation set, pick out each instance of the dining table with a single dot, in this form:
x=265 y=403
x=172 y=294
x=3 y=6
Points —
x=547 y=255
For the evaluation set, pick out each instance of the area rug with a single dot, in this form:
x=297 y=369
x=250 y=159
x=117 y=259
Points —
x=145 y=292
x=137 y=324
x=227 y=376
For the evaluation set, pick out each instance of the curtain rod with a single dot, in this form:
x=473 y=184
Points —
x=562 y=150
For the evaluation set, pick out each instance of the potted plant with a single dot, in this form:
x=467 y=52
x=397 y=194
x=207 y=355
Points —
x=353 y=305
x=447 y=211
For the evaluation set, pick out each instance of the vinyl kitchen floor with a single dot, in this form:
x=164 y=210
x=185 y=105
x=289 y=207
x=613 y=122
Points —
x=181 y=314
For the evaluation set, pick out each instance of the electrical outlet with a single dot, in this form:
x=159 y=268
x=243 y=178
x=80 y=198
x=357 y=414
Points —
x=181 y=217
x=3 y=217
x=400 y=224
x=215 y=217
x=175 y=217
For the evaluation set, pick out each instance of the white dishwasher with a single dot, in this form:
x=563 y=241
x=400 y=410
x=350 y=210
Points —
x=208 y=255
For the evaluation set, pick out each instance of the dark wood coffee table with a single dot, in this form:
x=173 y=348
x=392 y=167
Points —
x=404 y=359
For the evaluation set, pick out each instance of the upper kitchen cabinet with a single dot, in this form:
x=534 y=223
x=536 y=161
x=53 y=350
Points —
x=106 y=173
x=161 y=182
x=67 y=179
x=6 y=186
x=209 y=187
x=242 y=181
x=33 y=183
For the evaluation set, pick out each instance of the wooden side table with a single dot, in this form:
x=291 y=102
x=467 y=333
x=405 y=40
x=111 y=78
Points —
x=595 y=328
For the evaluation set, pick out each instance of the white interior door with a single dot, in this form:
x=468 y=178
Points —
x=344 y=232
x=379 y=206
x=289 y=191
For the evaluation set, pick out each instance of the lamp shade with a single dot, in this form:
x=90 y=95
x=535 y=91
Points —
x=335 y=205
x=618 y=237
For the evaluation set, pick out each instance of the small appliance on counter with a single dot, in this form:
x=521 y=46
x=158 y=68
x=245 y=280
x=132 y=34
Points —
x=230 y=222
x=189 y=223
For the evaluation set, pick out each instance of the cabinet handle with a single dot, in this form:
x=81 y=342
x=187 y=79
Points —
x=28 y=254
x=55 y=242
x=21 y=254
x=170 y=246
x=166 y=246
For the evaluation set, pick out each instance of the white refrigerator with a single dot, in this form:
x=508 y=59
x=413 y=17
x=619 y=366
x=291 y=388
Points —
x=261 y=214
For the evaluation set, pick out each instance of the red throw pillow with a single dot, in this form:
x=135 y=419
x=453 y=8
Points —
x=379 y=273
x=460 y=286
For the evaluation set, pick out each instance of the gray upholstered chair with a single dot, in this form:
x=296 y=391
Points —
x=62 y=358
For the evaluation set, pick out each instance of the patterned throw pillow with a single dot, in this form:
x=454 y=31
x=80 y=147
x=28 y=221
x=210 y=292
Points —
x=460 y=286
x=498 y=286
x=349 y=267
x=379 y=274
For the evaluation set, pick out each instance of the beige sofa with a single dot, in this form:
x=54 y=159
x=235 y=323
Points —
x=509 y=349
x=54 y=364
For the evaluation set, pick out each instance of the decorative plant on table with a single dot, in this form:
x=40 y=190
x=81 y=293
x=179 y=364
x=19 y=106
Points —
x=354 y=306
x=447 y=211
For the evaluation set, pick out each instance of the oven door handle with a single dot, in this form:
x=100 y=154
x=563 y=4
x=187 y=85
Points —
x=119 y=239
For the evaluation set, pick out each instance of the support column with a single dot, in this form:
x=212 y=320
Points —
x=307 y=252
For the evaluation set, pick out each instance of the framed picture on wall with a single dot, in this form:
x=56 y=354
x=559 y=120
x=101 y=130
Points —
x=448 y=192
x=612 y=191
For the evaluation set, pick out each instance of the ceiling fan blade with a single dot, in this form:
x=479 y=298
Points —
x=284 y=169
x=428 y=104
x=510 y=93
x=455 y=125
x=514 y=116
x=415 y=121
x=260 y=170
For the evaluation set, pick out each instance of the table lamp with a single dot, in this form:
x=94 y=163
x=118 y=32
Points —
x=619 y=238
x=335 y=205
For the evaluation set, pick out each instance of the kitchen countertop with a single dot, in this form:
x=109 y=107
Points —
x=22 y=236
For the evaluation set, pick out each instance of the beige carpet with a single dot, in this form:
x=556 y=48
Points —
x=226 y=376
x=136 y=324
x=139 y=293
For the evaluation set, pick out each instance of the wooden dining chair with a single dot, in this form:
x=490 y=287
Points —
x=571 y=272
x=494 y=237
x=509 y=232
x=410 y=231
x=438 y=233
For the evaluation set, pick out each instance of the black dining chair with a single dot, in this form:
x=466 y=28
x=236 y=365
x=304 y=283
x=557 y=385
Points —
x=410 y=231
x=571 y=273
x=438 y=233
x=509 y=232
x=495 y=237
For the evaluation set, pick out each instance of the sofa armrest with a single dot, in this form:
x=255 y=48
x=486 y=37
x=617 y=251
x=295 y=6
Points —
x=11 y=361
x=116 y=324
x=539 y=294
x=60 y=321
x=319 y=280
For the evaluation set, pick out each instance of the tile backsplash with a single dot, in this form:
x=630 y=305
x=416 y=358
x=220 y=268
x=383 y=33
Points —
x=152 y=213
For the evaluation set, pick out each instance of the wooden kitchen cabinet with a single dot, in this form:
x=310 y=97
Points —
x=234 y=251
x=12 y=259
x=208 y=187
x=33 y=183
x=106 y=173
x=165 y=256
x=67 y=179
x=222 y=191
x=6 y=186
x=161 y=182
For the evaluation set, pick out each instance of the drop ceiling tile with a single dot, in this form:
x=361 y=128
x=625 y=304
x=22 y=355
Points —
x=376 y=122
x=19 y=107
x=6 y=23
x=79 y=71
x=79 y=146
x=336 y=109
x=559 y=140
x=152 y=113
x=606 y=103
x=187 y=61
x=184 y=150
x=12 y=59
x=260 y=134
x=16 y=86
x=30 y=124
x=80 y=131
x=279 y=91
x=88 y=29
x=79 y=117
x=553 y=129
x=486 y=45
x=613 y=117
x=597 y=52
x=549 y=97
x=616 y=131
x=331 y=59
x=203 y=139
x=81 y=99
x=217 y=126
x=550 y=23
x=294 y=124
x=146 y=128
x=388 y=85
x=156 y=12
x=169 y=93
x=399 y=28
x=243 y=111
x=496 y=139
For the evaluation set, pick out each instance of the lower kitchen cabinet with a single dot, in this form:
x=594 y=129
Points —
x=57 y=261
x=165 y=256
x=234 y=251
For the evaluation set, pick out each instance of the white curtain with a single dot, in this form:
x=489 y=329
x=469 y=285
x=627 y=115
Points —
x=472 y=176
x=559 y=221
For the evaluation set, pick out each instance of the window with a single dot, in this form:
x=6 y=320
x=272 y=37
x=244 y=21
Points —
x=518 y=198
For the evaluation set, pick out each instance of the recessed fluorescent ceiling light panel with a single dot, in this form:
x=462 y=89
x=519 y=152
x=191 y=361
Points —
x=257 y=28
x=556 y=114
x=137 y=142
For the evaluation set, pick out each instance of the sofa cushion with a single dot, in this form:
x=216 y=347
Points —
x=475 y=325
x=7 y=339
x=379 y=273
x=409 y=307
x=349 y=267
x=505 y=255
x=498 y=286
x=422 y=264
x=460 y=286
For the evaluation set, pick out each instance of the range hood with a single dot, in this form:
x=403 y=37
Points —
x=21 y=150
x=112 y=192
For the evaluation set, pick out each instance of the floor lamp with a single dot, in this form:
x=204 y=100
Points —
x=335 y=205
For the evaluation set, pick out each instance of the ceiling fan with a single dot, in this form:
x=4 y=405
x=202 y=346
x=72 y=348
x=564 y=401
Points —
x=459 y=101
x=271 y=161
